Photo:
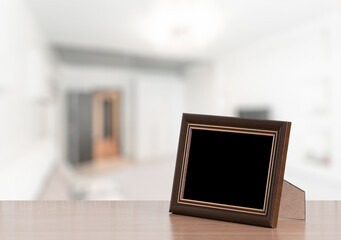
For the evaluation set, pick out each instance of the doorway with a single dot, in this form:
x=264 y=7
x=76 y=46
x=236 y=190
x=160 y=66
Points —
x=93 y=126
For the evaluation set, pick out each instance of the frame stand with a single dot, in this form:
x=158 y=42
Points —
x=292 y=202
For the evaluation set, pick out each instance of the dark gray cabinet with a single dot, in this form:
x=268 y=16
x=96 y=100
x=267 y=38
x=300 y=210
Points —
x=79 y=127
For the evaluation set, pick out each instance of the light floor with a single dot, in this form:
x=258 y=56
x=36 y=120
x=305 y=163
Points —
x=111 y=180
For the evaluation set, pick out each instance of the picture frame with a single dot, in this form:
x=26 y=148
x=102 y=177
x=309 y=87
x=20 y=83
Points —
x=230 y=169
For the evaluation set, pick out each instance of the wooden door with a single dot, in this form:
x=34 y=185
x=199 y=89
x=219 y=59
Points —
x=106 y=120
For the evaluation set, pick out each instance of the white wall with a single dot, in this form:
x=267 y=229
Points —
x=296 y=74
x=160 y=103
x=200 y=87
x=26 y=69
x=151 y=108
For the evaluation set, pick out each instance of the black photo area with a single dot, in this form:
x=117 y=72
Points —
x=228 y=168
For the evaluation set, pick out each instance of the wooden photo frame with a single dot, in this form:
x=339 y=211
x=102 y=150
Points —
x=230 y=169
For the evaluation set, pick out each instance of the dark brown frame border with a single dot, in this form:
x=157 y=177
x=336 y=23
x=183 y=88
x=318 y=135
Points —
x=267 y=216
x=182 y=200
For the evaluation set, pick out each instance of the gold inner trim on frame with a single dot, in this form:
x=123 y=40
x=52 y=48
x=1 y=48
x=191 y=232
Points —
x=182 y=200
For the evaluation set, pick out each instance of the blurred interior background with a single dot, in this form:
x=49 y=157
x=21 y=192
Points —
x=92 y=91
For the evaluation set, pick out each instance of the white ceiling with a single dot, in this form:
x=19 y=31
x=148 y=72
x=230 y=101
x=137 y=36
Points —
x=173 y=28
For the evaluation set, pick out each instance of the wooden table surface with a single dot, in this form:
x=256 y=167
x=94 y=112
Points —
x=150 y=220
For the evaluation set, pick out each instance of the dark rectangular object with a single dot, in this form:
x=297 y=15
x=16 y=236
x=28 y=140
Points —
x=85 y=127
x=79 y=127
x=230 y=169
